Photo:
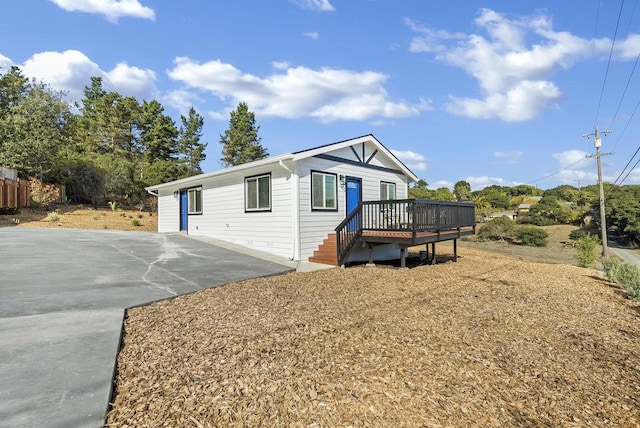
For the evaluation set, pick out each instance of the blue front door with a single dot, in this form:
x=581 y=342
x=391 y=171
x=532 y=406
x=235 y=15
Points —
x=184 y=210
x=354 y=193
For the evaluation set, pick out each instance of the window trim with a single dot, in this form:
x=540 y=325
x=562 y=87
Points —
x=257 y=178
x=198 y=193
x=389 y=184
x=335 y=180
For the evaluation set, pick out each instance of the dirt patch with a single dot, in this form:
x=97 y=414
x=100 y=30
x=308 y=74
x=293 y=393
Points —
x=556 y=250
x=487 y=341
x=79 y=217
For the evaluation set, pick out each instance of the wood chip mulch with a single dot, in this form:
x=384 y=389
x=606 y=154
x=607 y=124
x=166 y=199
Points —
x=487 y=341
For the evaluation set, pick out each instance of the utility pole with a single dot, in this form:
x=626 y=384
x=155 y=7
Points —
x=598 y=155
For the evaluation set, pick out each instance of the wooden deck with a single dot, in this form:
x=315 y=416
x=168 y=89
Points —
x=406 y=223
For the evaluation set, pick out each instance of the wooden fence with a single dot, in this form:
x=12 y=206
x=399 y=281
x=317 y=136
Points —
x=15 y=193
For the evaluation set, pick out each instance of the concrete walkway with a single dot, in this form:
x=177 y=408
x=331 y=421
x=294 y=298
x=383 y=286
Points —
x=63 y=295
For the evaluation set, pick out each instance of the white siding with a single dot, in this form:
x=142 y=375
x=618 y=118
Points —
x=316 y=225
x=224 y=217
x=168 y=212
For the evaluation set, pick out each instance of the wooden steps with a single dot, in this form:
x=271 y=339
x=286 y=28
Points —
x=327 y=252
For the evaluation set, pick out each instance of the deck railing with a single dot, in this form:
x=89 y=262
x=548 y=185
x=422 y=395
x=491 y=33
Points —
x=408 y=215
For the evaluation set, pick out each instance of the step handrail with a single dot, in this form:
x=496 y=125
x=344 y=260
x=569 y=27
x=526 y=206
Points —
x=348 y=232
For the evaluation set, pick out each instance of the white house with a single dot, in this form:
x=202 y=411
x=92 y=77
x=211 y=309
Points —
x=284 y=205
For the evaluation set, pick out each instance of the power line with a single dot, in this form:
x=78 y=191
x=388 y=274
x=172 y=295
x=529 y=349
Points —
x=604 y=83
x=631 y=170
x=557 y=172
x=625 y=91
x=595 y=30
x=625 y=167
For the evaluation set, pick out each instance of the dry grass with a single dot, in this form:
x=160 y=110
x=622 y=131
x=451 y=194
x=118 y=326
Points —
x=487 y=341
x=79 y=217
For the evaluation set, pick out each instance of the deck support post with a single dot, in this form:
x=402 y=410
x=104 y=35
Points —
x=455 y=250
x=403 y=257
x=433 y=251
x=371 y=263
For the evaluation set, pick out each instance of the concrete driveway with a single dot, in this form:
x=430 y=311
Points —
x=63 y=293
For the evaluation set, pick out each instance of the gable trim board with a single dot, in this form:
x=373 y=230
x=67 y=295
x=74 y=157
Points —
x=291 y=228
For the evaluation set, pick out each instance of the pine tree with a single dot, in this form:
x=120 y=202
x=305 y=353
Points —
x=240 y=142
x=190 y=147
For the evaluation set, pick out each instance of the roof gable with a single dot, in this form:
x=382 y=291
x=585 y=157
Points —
x=364 y=151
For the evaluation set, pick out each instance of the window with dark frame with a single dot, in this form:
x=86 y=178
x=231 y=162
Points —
x=387 y=190
x=324 y=191
x=257 y=191
x=194 y=200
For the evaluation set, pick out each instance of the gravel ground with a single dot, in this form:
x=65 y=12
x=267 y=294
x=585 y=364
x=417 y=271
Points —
x=488 y=341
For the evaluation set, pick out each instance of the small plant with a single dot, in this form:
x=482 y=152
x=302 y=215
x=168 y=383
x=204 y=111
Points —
x=532 y=236
x=96 y=217
x=140 y=216
x=113 y=205
x=53 y=216
x=587 y=255
x=136 y=222
x=123 y=214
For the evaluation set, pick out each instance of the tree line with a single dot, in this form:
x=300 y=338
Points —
x=107 y=146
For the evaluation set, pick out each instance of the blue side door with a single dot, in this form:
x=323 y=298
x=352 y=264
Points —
x=354 y=193
x=184 y=210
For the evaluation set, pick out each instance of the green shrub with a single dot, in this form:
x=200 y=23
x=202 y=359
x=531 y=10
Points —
x=113 y=205
x=498 y=229
x=587 y=254
x=576 y=234
x=9 y=210
x=532 y=236
x=624 y=274
x=53 y=216
x=136 y=222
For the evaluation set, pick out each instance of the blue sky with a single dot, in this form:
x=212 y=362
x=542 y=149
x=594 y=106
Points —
x=492 y=92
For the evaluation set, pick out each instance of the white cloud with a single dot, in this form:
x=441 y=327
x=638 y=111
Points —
x=181 y=100
x=132 y=81
x=326 y=94
x=479 y=183
x=70 y=71
x=430 y=40
x=512 y=61
x=112 y=10
x=441 y=183
x=280 y=65
x=5 y=64
x=414 y=161
x=315 y=5
x=312 y=35
x=524 y=101
x=511 y=157
x=571 y=158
